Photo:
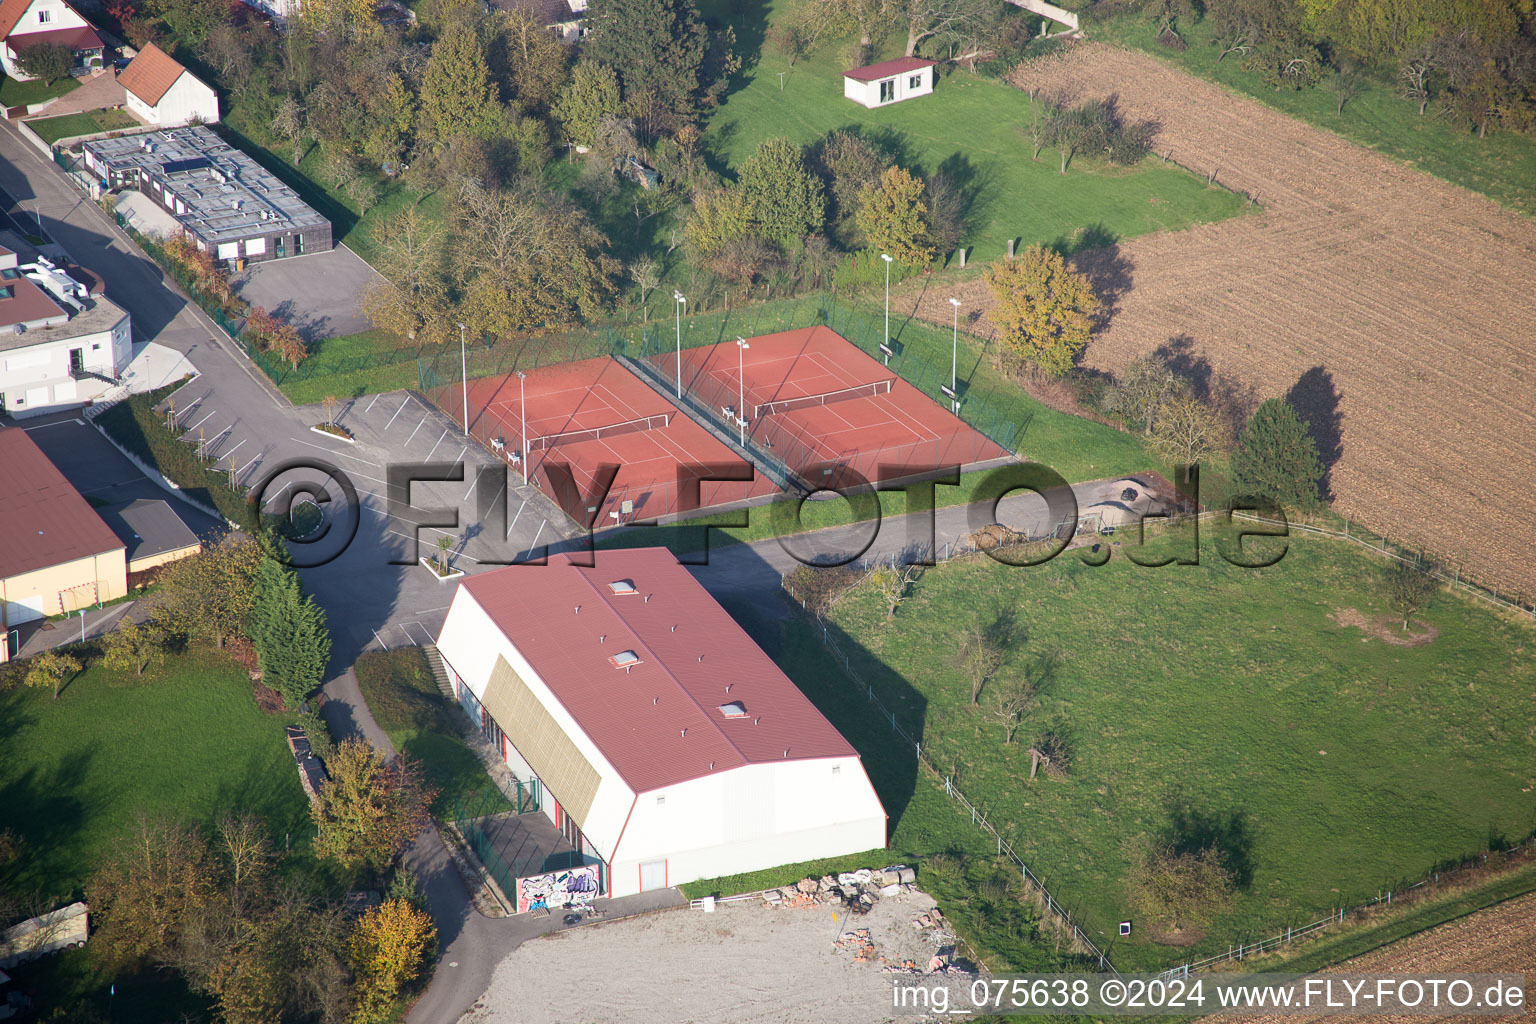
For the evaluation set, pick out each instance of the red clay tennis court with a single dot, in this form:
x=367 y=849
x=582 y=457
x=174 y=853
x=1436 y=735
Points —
x=588 y=415
x=816 y=402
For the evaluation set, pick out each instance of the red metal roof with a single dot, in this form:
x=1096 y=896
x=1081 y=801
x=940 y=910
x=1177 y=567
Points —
x=79 y=38
x=657 y=722
x=43 y=520
x=888 y=69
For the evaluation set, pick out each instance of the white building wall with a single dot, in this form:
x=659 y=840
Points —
x=59 y=15
x=185 y=101
x=138 y=107
x=36 y=379
x=470 y=643
x=868 y=93
x=753 y=817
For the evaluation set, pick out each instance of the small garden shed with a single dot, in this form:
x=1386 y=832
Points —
x=890 y=81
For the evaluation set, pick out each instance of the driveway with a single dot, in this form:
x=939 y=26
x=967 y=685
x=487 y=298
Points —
x=318 y=293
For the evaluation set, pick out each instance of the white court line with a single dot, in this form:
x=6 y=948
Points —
x=200 y=422
x=398 y=412
x=434 y=447
x=418 y=427
x=516 y=517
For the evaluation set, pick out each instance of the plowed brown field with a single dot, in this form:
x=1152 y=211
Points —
x=1413 y=295
x=1499 y=940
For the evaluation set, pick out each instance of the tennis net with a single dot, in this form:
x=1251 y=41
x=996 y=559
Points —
x=879 y=387
x=635 y=426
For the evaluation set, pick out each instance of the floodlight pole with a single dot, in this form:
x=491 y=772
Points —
x=522 y=411
x=679 y=302
x=887 y=260
x=741 y=383
x=954 y=358
x=464 y=385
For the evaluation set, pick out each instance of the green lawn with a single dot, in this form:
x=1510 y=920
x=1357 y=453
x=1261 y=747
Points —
x=971 y=127
x=186 y=739
x=974 y=890
x=52 y=129
x=1333 y=765
x=14 y=93
x=424 y=726
x=1502 y=166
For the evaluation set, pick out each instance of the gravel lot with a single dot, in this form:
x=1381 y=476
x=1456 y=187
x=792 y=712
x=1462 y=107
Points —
x=743 y=964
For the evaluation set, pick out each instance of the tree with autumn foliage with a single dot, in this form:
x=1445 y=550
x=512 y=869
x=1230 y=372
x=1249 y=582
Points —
x=51 y=669
x=207 y=597
x=1043 y=311
x=371 y=810
x=273 y=335
x=892 y=217
x=390 y=946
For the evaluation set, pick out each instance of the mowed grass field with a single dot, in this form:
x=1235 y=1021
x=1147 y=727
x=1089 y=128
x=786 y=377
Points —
x=972 y=128
x=424 y=726
x=186 y=740
x=1333 y=765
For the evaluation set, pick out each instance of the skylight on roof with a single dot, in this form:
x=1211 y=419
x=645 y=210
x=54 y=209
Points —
x=624 y=659
x=735 y=709
x=623 y=587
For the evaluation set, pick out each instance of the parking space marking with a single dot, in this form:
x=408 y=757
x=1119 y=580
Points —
x=434 y=447
x=230 y=454
x=516 y=518
x=375 y=399
x=418 y=427
x=398 y=412
x=542 y=523
x=333 y=451
x=200 y=422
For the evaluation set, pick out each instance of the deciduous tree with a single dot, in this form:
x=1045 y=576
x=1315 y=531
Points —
x=1187 y=431
x=369 y=811
x=1408 y=590
x=894 y=583
x=390 y=946
x=132 y=646
x=1043 y=311
x=1179 y=890
x=208 y=596
x=148 y=889
x=48 y=61
x=892 y=217
x=289 y=123
x=51 y=669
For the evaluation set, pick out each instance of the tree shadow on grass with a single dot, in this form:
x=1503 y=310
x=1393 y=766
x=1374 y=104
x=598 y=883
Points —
x=1193 y=829
x=45 y=809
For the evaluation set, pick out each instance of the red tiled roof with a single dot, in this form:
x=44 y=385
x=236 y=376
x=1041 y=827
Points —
x=10 y=13
x=658 y=723
x=43 y=520
x=151 y=74
x=79 y=38
x=888 y=69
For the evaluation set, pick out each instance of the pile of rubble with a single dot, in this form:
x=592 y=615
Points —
x=857 y=890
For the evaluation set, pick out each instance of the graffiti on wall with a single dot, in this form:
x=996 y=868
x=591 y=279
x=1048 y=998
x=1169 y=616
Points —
x=567 y=888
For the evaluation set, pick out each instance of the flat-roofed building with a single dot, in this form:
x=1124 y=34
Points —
x=228 y=204
x=667 y=745
x=62 y=342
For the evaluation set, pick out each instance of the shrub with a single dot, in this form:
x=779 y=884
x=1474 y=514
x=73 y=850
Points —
x=820 y=587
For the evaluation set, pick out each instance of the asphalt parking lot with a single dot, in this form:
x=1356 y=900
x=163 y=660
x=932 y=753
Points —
x=318 y=292
x=101 y=473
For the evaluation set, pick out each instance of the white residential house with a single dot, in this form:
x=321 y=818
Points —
x=60 y=345
x=891 y=81
x=282 y=10
x=666 y=745
x=25 y=23
x=165 y=94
